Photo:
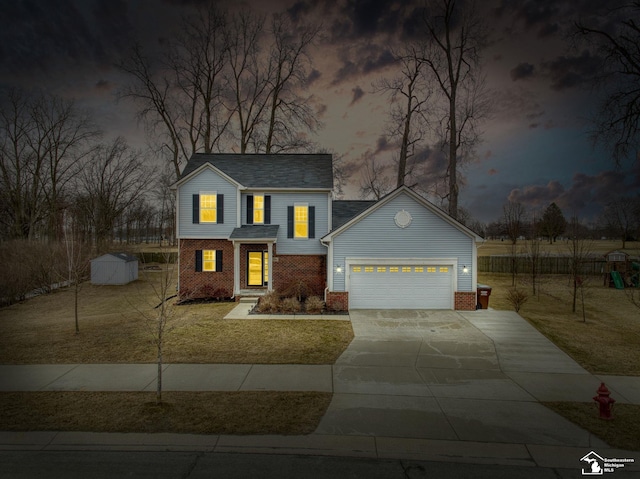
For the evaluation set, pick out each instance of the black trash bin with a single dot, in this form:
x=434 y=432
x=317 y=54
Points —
x=483 y=293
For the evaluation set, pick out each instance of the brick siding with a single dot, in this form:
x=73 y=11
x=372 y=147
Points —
x=205 y=284
x=338 y=300
x=465 y=300
x=289 y=270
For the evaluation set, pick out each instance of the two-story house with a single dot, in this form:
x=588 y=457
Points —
x=250 y=222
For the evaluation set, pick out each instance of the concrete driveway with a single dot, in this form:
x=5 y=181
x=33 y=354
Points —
x=461 y=376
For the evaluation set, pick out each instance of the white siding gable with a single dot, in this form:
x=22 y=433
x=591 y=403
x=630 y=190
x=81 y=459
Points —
x=376 y=235
x=206 y=180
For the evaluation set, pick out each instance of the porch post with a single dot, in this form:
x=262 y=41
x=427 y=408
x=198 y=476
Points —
x=270 y=263
x=236 y=268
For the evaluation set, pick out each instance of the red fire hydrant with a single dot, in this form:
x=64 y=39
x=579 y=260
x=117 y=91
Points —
x=604 y=401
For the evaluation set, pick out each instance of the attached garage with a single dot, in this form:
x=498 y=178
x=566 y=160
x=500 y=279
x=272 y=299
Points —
x=401 y=252
x=400 y=285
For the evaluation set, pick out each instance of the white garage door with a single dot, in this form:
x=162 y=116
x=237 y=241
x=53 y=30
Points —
x=373 y=286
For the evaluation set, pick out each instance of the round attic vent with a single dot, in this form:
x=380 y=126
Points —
x=402 y=219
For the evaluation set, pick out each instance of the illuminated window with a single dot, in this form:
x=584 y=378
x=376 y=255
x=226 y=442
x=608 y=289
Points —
x=406 y=269
x=258 y=209
x=444 y=269
x=301 y=221
x=208 y=208
x=368 y=269
x=382 y=269
x=431 y=269
x=208 y=260
x=419 y=269
x=393 y=269
x=357 y=269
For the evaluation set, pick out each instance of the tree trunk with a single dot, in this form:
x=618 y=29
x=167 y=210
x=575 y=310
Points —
x=453 y=160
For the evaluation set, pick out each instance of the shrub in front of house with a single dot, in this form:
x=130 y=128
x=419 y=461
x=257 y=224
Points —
x=291 y=305
x=298 y=289
x=314 y=305
x=269 y=303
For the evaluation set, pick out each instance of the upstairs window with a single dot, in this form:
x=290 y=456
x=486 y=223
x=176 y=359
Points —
x=301 y=221
x=208 y=207
x=259 y=209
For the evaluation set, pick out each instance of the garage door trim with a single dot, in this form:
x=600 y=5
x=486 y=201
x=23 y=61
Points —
x=450 y=262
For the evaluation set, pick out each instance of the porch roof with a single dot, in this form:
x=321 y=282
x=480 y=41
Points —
x=255 y=232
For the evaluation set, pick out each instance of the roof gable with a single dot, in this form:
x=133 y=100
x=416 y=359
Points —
x=281 y=171
x=394 y=194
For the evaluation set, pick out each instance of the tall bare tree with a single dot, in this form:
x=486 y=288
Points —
x=455 y=38
x=622 y=217
x=617 y=40
x=409 y=93
x=374 y=183
x=42 y=140
x=514 y=214
x=289 y=113
x=113 y=179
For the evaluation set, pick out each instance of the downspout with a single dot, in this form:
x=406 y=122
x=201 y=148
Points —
x=329 y=267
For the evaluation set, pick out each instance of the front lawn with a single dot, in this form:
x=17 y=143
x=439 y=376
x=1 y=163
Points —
x=114 y=328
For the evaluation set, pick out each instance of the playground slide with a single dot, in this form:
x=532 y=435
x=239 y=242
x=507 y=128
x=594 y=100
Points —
x=617 y=280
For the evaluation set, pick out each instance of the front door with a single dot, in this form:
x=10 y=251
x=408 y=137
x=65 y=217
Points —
x=258 y=268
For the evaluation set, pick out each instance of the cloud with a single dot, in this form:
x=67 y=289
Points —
x=523 y=70
x=313 y=76
x=104 y=85
x=492 y=172
x=358 y=93
x=571 y=71
x=585 y=196
x=364 y=60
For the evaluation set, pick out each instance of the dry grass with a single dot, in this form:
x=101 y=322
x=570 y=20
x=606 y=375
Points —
x=497 y=247
x=607 y=343
x=621 y=432
x=113 y=329
x=262 y=412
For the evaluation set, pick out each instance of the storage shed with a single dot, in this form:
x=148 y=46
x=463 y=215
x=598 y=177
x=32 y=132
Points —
x=114 y=268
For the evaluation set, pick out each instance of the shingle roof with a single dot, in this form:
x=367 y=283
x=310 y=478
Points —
x=269 y=171
x=344 y=210
x=255 y=232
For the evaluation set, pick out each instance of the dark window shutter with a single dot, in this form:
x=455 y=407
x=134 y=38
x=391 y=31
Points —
x=219 y=260
x=312 y=221
x=196 y=209
x=289 y=221
x=199 y=260
x=220 y=209
x=249 y=209
x=267 y=209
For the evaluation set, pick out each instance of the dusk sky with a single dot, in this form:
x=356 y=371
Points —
x=535 y=148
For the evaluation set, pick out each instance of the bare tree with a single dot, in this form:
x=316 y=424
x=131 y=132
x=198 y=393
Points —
x=533 y=251
x=617 y=40
x=289 y=113
x=456 y=36
x=514 y=217
x=374 y=182
x=111 y=181
x=77 y=258
x=580 y=247
x=622 y=217
x=42 y=140
x=409 y=93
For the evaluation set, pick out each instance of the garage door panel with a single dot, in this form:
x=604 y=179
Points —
x=400 y=287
